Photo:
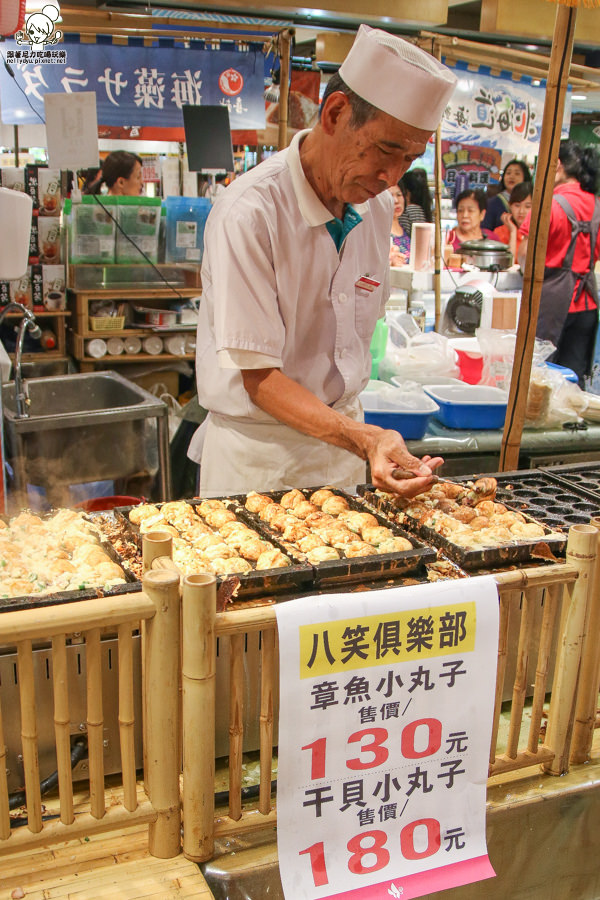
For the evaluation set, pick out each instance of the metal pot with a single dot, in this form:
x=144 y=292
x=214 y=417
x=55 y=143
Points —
x=486 y=254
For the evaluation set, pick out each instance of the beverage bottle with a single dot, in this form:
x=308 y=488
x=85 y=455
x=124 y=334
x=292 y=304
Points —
x=48 y=340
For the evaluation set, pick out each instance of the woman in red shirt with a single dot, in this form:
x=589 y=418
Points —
x=520 y=205
x=568 y=313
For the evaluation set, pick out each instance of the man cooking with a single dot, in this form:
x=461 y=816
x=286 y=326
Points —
x=295 y=277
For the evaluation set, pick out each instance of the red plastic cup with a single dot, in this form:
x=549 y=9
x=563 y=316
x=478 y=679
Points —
x=470 y=366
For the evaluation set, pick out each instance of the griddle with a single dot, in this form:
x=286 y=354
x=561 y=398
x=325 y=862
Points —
x=346 y=570
x=581 y=477
x=538 y=494
x=469 y=558
x=252 y=584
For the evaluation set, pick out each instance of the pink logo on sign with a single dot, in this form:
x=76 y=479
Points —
x=231 y=82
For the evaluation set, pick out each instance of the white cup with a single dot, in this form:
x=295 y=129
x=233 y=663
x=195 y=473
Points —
x=115 y=346
x=96 y=348
x=175 y=344
x=132 y=344
x=153 y=345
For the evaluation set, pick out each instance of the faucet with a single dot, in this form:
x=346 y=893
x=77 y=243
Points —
x=27 y=323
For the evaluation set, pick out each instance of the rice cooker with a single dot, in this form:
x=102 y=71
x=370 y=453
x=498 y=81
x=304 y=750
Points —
x=489 y=255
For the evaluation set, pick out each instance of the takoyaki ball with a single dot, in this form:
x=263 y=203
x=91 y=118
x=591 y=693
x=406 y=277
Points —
x=207 y=505
x=359 y=548
x=144 y=511
x=416 y=510
x=150 y=526
x=232 y=565
x=447 y=506
x=507 y=519
x=375 y=534
x=282 y=519
x=479 y=522
x=450 y=490
x=177 y=509
x=447 y=526
x=340 y=537
x=255 y=502
x=318 y=519
x=217 y=517
x=218 y=551
x=319 y=497
x=395 y=544
x=272 y=559
x=233 y=526
x=355 y=520
x=464 y=514
x=335 y=505
x=270 y=510
x=292 y=498
x=310 y=542
x=196 y=530
x=487 y=508
x=295 y=532
x=253 y=549
x=497 y=534
x=321 y=554
x=304 y=509
x=238 y=538
x=527 y=530
x=207 y=540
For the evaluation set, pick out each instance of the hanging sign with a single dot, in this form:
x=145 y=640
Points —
x=482 y=164
x=487 y=111
x=136 y=85
x=384 y=735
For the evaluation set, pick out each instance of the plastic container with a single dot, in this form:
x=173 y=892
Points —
x=153 y=345
x=470 y=359
x=139 y=217
x=92 y=231
x=186 y=218
x=115 y=346
x=469 y=406
x=405 y=411
x=132 y=344
x=96 y=348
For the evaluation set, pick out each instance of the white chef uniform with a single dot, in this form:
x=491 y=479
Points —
x=277 y=292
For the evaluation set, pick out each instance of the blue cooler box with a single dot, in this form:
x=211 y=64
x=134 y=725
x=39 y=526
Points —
x=469 y=406
x=391 y=407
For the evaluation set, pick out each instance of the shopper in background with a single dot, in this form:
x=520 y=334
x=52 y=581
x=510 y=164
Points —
x=216 y=189
x=520 y=205
x=514 y=173
x=399 y=239
x=418 y=199
x=470 y=212
x=295 y=276
x=568 y=314
x=121 y=172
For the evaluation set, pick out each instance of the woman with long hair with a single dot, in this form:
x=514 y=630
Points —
x=418 y=199
x=568 y=315
x=121 y=172
x=399 y=239
x=514 y=173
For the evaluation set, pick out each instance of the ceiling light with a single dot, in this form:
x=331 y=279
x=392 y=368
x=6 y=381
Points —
x=578 y=96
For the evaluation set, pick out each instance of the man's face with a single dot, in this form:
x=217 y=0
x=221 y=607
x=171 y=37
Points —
x=372 y=158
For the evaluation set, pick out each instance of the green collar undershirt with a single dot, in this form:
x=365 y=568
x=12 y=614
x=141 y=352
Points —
x=339 y=229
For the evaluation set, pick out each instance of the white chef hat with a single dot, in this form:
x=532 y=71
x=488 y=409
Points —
x=398 y=78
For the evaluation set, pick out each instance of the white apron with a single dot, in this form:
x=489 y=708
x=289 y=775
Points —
x=240 y=455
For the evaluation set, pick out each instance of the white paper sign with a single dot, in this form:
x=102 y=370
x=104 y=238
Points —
x=385 y=723
x=72 y=130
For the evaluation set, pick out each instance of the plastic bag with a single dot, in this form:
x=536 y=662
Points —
x=423 y=357
x=551 y=400
x=174 y=415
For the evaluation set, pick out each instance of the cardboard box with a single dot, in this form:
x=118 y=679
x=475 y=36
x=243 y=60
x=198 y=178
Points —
x=53 y=281
x=43 y=185
x=49 y=242
x=34 y=247
x=20 y=290
x=37 y=287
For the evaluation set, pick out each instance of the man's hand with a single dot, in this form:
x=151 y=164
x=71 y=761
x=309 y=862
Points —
x=388 y=452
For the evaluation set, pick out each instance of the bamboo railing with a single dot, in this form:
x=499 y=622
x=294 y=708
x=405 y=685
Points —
x=158 y=607
x=556 y=637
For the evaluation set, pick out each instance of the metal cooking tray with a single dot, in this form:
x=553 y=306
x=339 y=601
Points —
x=536 y=494
x=252 y=584
x=488 y=557
x=582 y=477
x=358 y=568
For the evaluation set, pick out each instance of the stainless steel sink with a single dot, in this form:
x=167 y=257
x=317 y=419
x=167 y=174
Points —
x=87 y=427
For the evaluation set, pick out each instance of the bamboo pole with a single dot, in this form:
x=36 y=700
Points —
x=438 y=249
x=551 y=602
x=154 y=545
x=236 y=723
x=581 y=552
x=267 y=677
x=199 y=667
x=161 y=704
x=29 y=744
x=4 y=807
x=285 y=41
x=127 y=717
x=507 y=601
x=62 y=728
x=95 y=721
x=587 y=700
x=520 y=683
x=100 y=612
x=560 y=59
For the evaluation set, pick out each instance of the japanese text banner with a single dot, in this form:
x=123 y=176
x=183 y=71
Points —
x=489 y=111
x=136 y=85
x=384 y=733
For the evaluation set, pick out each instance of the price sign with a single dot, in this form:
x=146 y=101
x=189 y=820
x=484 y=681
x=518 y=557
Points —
x=385 y=723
